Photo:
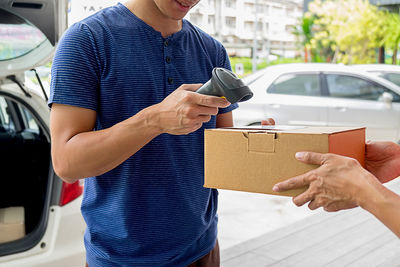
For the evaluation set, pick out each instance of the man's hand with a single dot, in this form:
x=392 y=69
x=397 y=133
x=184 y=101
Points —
x=269 y=121
x=184 y=111
x=334 y=185
x=382 y=159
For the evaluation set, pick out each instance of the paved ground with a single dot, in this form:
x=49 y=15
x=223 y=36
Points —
x=347 y=238
x=243 y=216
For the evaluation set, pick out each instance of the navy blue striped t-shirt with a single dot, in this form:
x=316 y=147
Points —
x=152 y=210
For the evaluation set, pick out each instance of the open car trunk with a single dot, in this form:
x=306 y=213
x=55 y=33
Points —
x=29 y=32
x=26 y=175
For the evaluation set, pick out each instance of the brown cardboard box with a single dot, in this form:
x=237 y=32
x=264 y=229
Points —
x=12 y=224
x=254 y=159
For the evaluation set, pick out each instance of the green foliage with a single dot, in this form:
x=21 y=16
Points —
x=303 y=30
x=248 y=63
x=353 y=27
x=391 y=30
x=347 y=31
x=304 y=34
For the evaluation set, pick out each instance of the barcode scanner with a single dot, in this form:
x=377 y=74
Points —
x=224 y=83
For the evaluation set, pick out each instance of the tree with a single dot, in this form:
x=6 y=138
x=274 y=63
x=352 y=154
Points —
x=391 y=30
x=304 y=34
x=352 y=28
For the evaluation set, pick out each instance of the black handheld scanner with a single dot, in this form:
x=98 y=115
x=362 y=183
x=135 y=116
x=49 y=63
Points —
x=225 y=83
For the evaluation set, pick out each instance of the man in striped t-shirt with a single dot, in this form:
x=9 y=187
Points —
x=125 y=117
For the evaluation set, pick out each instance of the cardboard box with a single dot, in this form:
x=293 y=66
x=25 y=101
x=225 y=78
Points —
x=12 y=224
x=254 y=159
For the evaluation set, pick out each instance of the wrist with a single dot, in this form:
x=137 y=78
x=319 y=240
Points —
x=368 y=193
x=151 y=119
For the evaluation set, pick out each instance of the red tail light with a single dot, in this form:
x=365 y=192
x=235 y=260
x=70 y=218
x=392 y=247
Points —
x=70 y=192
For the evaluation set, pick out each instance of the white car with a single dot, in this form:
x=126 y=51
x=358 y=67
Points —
x=386 y=71
x=40 y=219
x=316 y=94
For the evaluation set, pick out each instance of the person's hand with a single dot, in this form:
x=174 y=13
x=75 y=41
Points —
x=334 y=185
x=382 y=159
x=184 y=111
x=269 y=121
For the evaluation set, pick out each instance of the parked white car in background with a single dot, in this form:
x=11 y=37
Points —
x=386 y=71
x=40 y=219
x=316 y=94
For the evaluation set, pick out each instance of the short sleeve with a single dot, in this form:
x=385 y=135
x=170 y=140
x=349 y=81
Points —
x=225 y=63
x=75 y=72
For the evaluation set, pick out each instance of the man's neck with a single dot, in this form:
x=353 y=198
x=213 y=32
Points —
x=147 y=11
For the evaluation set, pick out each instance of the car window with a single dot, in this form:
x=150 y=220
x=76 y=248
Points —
x=393 y=77
x=296 y=84
x=346 y=86
x=17 y=36
x=29 y=121
x=6 y=121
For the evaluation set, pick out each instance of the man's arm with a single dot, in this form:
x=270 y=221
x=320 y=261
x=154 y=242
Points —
x=383 y=204
x=341 y=182
x=79 y=152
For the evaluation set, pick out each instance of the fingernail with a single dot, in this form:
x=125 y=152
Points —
x=300 y=155
x=275 y=188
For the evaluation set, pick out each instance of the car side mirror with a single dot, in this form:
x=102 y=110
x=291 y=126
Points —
x=386 y=97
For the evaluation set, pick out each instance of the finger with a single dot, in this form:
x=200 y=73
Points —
x=340 y=205
x=330 y=209
x=193 y=111
x=210 y=101
x=213 y=101
x=313 y=205
x=311 y=157
x=203 y=118
x=202 y=110
x=303 y=198
x=292 y=183
x=193 y=122
x=269 y=121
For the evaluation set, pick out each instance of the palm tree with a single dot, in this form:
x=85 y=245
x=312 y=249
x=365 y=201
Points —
x=304 y=33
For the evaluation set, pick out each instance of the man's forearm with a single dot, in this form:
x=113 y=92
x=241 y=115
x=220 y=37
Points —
x=382 y=203
x=93 y=153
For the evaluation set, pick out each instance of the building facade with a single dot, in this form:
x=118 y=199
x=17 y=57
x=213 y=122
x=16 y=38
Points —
x=233 y=22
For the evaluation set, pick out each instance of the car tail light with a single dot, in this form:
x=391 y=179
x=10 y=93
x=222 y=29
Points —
x=70 y=192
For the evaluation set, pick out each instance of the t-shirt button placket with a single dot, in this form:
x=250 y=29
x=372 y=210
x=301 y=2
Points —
x=170 y=80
